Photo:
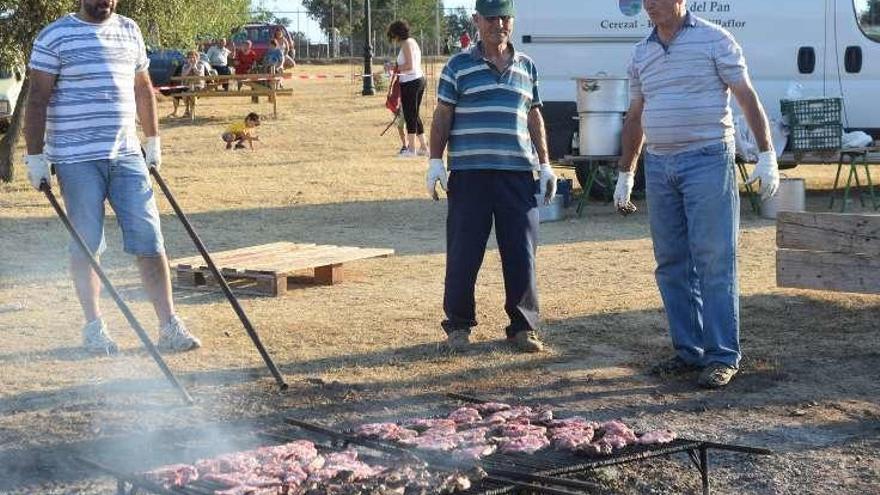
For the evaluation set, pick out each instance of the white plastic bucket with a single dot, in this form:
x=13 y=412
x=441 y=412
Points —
x=791 y=196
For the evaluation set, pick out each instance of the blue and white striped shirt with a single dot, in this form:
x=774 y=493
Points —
x=91 y=114
x=490 y=129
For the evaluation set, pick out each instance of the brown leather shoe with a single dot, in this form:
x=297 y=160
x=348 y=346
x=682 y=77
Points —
x=458 y=340
x=527 y=341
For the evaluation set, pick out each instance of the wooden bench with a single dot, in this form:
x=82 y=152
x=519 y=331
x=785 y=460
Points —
x=268 y=268
x=828 y=251
x=260 y=85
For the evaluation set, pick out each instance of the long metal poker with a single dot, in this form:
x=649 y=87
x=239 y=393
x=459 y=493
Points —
x=252 y=333
x=141 y=333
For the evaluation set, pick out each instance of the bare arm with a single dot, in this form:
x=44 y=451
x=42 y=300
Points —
x=440 y=127
x=146 y=104
x=42 y=84
x=754 y=113
x=632 y=136
x=538 y=133
x=407 y=57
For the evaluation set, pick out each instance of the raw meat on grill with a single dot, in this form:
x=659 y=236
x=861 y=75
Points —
x=474 y=453
x=571 y=437
x=656 y=437
x=422 y=424
x=465 y=416
x=173 y=475
x=528 y=444
x=345 y=461
x=384 y=431
x=522 y=430
x=491 y=407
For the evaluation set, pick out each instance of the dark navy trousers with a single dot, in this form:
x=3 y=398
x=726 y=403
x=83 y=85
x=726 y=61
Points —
x=476 y=199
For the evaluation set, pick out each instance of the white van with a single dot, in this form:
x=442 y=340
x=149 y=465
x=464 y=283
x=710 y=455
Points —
x=10 y=87
x=830 y=47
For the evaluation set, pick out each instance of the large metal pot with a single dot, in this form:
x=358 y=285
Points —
x=791 y=196
x=602 y=94
x=599 y=133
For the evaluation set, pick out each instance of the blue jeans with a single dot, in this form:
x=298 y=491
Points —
x=477 y=198
x=693 y=205
x=125 y=182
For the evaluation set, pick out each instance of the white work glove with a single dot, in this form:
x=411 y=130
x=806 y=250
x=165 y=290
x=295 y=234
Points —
x=547 y=178
x=625 y=182
x=436 y=172
x=153 y=152
x=768 y=172
x=38 y=170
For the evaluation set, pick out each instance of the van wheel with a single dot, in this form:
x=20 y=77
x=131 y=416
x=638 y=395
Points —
x=606 y=180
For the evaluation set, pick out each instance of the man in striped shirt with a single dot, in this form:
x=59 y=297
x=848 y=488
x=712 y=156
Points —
x=681 y=77
x=89 y=81
x=489 y=116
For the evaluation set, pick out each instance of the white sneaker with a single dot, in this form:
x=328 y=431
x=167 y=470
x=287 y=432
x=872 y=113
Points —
x=407 y=153
x=175 y=337
x=423 y=152
x=95 y=338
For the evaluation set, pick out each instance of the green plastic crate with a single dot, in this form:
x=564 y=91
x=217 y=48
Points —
x=811 y=111
x=825 y=137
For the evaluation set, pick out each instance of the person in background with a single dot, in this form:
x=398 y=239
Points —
x=245 y=58
x=274 y=58
x=412 y=86
x=287 y=50
x=680 y=78
x=496 y=142
x=218 y=56
x=193 y=66
x=100 y=163
x=464 y=40
x=240 y=132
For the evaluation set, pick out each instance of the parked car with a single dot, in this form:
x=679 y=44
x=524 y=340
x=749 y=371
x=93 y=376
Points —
x=163 y=65
x=11 y=82
x=259 y=35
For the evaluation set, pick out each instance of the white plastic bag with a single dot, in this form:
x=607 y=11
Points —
x=856 y=139
x=747 y=147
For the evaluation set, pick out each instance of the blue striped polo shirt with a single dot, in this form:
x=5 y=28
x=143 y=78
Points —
x=91 y=114
x=490 y=127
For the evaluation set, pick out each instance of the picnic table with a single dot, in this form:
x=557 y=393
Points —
x=259 y=84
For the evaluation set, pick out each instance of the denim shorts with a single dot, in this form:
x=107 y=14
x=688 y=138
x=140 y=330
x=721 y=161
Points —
x=125 y=182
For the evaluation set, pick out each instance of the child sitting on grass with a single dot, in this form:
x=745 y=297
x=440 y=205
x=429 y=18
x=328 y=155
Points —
x=239 y=132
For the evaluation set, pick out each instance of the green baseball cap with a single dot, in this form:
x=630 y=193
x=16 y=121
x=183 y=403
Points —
x=495 y=8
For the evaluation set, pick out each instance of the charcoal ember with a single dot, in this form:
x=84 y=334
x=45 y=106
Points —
x=173 y=475
x=491 y=407
x=465 y=415
x=453 y=483
x=657 y=437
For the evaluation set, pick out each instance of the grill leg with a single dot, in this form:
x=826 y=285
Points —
x=704 y=469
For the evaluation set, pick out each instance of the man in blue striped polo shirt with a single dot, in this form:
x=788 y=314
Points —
x=89 y=81
x=681 y=78
x=489 y=116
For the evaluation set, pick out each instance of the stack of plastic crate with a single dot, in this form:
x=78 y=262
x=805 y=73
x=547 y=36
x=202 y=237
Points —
x=814 y=124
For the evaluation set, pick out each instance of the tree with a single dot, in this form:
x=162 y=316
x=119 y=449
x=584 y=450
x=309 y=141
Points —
x=458 y=22
x=181 y=21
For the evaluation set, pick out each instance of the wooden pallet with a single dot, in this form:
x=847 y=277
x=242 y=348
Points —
x=828 y=251
x=268 y=268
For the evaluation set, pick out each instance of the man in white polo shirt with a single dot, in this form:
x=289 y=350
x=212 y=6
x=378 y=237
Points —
x=681 y=78
x=89 y=81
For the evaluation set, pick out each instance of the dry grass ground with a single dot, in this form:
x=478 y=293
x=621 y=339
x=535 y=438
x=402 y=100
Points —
x=367 y=348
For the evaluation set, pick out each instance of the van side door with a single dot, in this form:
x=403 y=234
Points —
x=856 y=35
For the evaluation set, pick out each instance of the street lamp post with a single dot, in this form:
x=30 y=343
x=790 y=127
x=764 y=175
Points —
x=368 y=52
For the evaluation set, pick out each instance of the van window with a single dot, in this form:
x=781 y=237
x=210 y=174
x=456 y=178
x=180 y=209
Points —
x=868 y=17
